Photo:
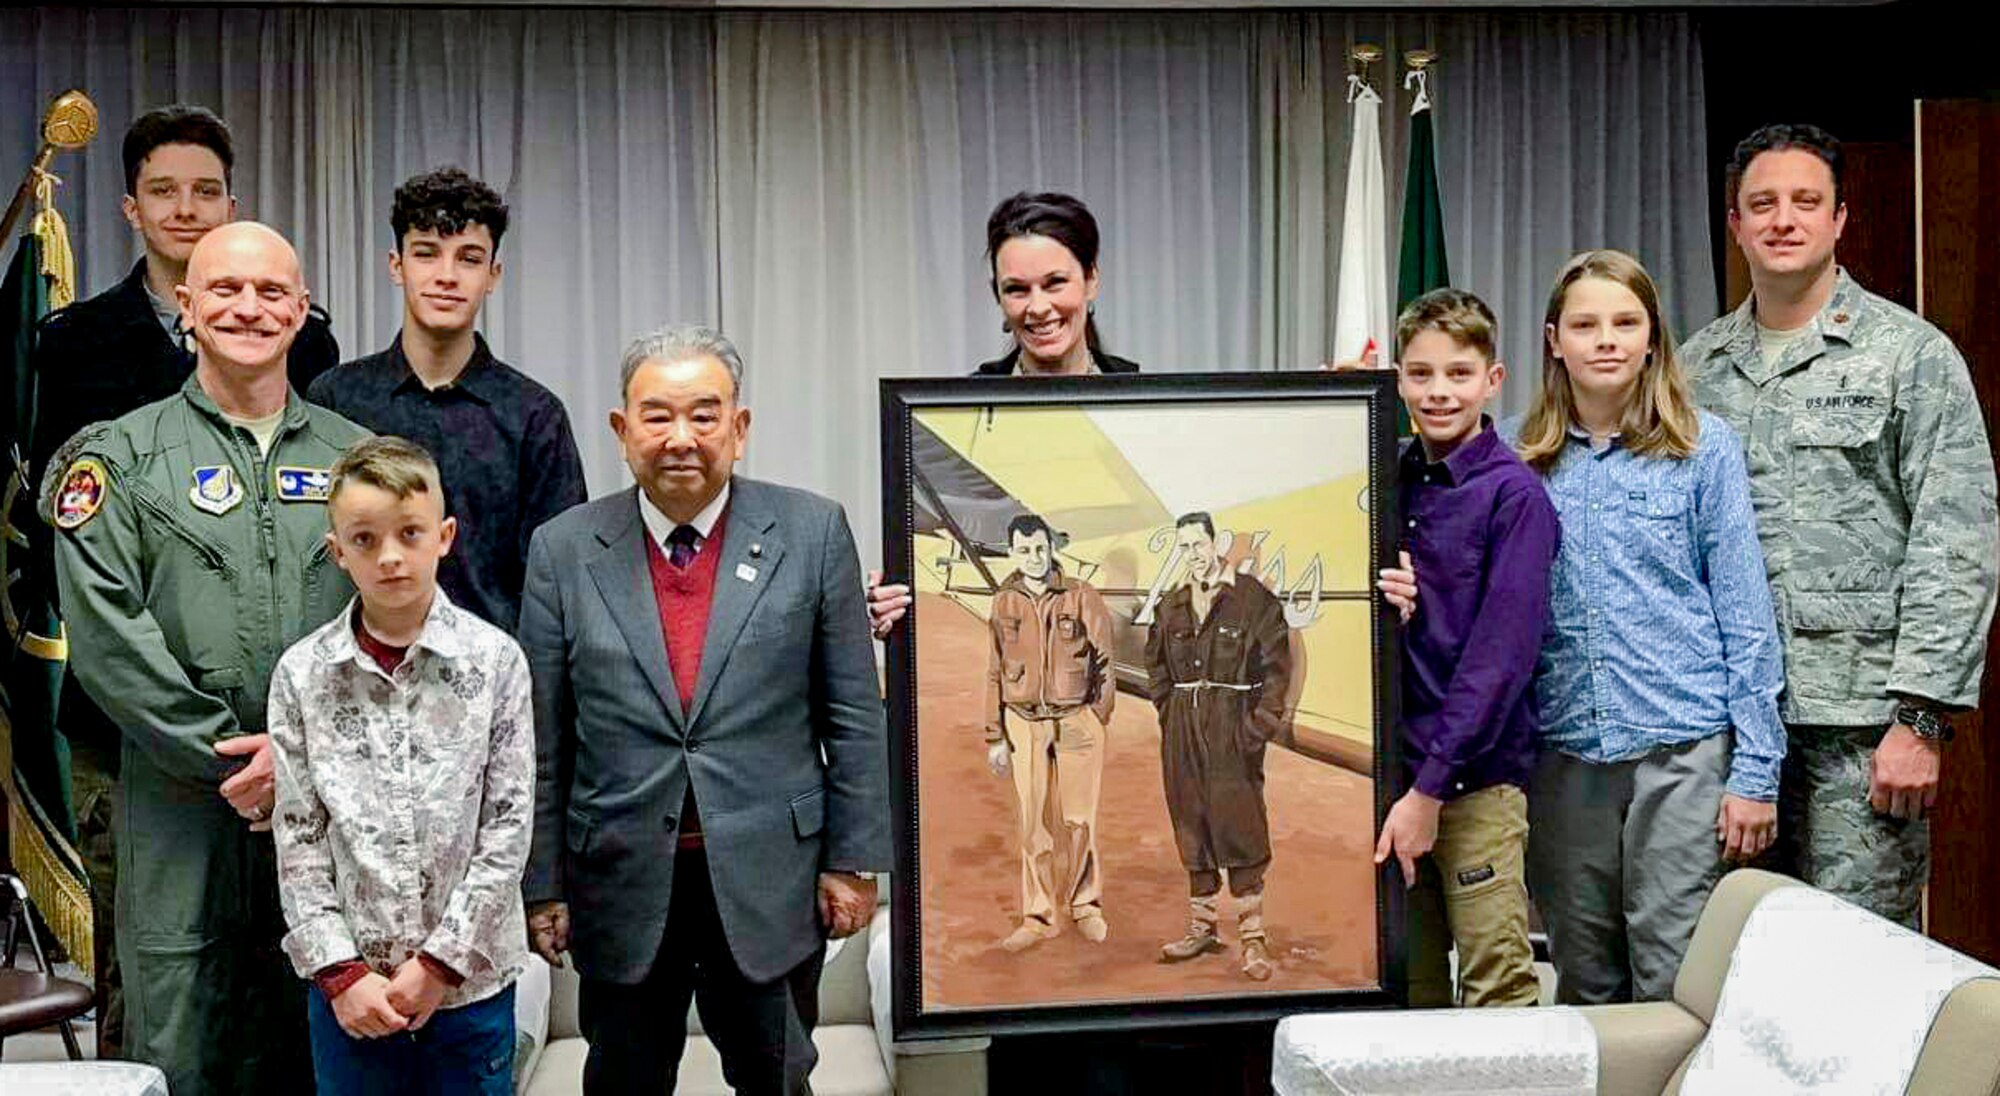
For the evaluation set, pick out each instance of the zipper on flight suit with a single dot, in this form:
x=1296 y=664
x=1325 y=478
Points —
x=267 y=541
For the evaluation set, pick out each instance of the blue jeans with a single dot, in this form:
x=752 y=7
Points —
x=465 y=1051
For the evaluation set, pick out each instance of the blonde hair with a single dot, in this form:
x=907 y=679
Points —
x=396 y=465
x=1659 y=418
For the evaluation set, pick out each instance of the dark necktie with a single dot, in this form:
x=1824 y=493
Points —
x=681 y=545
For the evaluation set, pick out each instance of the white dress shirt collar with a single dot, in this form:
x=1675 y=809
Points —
x=659 y=525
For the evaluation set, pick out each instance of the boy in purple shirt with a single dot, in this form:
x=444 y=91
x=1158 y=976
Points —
x=1477 y=523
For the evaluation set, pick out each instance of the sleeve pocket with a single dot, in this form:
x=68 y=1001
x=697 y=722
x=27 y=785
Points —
x=809 y=813
x=1843 y=611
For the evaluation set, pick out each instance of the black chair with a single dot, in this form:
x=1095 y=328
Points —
x=30 y=1001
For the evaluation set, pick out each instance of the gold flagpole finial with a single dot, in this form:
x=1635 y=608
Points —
x=1367 y=53
x=1420 y=59
x=71 y=121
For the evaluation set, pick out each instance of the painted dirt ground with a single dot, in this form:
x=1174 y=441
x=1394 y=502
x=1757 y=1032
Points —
x=1319 y=893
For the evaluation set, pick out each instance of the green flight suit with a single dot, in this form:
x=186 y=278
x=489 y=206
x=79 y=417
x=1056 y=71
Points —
x=188 y=562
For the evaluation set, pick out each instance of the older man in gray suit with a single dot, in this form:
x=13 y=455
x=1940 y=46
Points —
x=712 y=792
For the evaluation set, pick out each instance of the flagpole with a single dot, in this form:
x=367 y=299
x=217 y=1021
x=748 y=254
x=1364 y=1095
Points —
x=70 y=123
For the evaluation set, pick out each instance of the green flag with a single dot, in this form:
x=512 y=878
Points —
x=1423 y=267
x=34 y=758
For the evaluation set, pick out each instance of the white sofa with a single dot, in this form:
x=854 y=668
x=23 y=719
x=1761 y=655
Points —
x=857 y=1055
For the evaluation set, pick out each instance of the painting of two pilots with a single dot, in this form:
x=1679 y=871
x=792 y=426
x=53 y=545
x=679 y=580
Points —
x=1146 y=711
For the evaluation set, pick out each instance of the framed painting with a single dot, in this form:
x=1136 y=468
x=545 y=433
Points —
x=1142 y=710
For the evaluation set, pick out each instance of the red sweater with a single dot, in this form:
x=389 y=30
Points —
x=683 y=597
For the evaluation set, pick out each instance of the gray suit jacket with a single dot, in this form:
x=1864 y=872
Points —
x=784 y=742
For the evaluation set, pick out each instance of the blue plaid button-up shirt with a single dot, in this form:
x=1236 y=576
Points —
x=1660 y=629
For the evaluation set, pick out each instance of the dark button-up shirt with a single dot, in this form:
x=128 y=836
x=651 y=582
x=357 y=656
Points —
x=1482 y=535
x=503 y=446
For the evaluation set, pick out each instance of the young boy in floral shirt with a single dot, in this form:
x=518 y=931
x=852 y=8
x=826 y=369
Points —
x=404 y=744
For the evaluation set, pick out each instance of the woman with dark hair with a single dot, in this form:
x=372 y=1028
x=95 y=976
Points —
x=1041 y=257
x=1041 y=260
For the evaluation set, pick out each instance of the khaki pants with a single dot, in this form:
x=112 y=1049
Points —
x=1472 y=892
x=1058 y=765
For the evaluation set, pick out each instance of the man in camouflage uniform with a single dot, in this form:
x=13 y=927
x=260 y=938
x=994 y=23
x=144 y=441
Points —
x=191 y=551
x=1874 y=492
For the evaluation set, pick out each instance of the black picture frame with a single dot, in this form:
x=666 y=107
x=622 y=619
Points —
x=908 y=499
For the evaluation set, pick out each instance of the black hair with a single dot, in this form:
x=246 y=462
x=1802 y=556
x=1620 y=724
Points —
x=1059 y=217
x=446 y=201
x=179 y=124
x=1775 y=138
x=1027 y=525
x=1197 y=517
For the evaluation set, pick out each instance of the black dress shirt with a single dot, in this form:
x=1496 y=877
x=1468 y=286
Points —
x=503 y=445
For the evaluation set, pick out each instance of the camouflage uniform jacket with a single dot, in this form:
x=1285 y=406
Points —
x=1874 y=492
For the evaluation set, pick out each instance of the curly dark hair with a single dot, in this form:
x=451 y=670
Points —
x=179 y=124
x=446 y=201
x=1775 y=138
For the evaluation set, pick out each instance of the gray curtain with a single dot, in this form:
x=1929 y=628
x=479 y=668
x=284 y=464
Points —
x=597 y=126
x=818 y=182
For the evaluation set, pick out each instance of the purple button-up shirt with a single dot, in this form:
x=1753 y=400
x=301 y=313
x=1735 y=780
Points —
x=1482 y=538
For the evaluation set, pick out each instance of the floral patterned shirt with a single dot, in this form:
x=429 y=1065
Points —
x=405 y=800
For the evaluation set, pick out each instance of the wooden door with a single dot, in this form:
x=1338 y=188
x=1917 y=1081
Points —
x=1958 y=289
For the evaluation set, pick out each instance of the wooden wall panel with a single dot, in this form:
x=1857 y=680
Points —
x=1958 y=180
x=1878 y=247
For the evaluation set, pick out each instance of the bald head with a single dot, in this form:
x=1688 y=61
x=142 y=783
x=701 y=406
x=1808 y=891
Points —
x=241 y=239
x=244 y=298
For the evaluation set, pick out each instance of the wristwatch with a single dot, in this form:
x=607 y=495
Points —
x=1926 y=723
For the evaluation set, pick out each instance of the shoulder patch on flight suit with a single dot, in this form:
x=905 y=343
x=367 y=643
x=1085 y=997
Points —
x=81 y=494
x=57 y=469
x=216 y=489
x=296 y=484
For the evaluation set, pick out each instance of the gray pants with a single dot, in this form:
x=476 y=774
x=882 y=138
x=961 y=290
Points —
x=1621 y=858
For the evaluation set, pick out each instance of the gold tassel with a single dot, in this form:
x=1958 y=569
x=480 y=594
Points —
x=58 y=261
x=63 y=899
x=63 y=902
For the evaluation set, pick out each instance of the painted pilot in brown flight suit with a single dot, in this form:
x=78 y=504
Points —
x=1218 y=663
x=1049 y=695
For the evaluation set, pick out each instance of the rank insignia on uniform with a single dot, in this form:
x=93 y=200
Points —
x=82 y=493
x=304 y=484
x=216 y=489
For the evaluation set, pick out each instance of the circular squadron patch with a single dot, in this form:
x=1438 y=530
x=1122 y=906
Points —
x=81 y=494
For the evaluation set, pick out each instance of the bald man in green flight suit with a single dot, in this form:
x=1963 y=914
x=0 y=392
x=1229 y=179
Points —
x=190 y=551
